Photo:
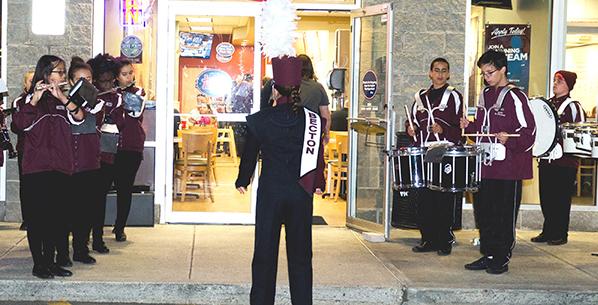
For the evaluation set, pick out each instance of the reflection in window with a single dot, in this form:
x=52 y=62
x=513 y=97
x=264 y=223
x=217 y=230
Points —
x=580 y=55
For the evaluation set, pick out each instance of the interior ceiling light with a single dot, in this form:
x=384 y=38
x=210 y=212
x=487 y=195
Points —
x=199 y=19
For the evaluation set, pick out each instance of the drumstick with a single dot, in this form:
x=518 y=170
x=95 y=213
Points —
x=431 y=114
x=410 y=122
x=515 y=135
x=464 y=116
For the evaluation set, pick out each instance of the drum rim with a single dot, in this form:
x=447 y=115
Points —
x=406 y=149
x=472 y=189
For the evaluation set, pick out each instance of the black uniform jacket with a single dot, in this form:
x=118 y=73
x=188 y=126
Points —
x=278 y=133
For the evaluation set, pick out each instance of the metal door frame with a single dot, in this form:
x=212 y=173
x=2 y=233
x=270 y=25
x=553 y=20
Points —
x=353 y=222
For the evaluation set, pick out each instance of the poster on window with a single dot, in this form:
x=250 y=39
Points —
x=514 y=40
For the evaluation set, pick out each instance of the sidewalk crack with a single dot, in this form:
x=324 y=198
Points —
x=560 y=259
x=12 y=247
x=192 y=253
x=383 y=263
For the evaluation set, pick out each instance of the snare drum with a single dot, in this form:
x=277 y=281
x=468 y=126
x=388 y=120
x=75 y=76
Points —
x=583 y=139
x=408 y=167
x=595 y=144
x=460 y=170
x=571 y=133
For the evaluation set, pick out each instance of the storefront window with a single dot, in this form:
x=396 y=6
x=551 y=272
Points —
x=133 y=36
x=535 y=14
x=580 y=54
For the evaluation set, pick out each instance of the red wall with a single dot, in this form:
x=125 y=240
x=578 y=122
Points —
x=242 y=55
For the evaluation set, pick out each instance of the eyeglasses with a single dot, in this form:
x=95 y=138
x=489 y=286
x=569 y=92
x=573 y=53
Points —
x=488 y=74
x=60 y=72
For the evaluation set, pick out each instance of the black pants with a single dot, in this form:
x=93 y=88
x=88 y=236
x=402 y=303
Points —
x=46 y=213
x=496 y=207
x=435 y=216
x=122 y=173
x=85 y=196
x=22 y=193
x=279 y=203
x=557 y=184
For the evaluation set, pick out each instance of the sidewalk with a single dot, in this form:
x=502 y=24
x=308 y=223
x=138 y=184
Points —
x=202 y=264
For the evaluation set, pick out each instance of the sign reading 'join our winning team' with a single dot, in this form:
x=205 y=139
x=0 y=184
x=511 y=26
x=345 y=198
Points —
x=514 y=40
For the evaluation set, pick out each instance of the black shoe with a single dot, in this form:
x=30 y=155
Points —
x=480 y=264
x=497 y=270
x=100 y=248
x=23 y=227
x=42 y=272
x=557 y=242
x=120 y=236
x=445 y=251
x=84 y=258
x=59 y=271
x=423 y=247
x=539 y=239
x=63 y=261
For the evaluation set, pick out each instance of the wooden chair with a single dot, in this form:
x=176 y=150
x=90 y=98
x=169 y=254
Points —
x=340 y=166
x=212 y=129
x=196 y=162
x=227 y=135
x=585 y=169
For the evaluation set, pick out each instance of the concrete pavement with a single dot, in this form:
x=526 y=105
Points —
x=204 y=264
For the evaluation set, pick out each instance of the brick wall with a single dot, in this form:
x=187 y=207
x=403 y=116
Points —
x=23 y=50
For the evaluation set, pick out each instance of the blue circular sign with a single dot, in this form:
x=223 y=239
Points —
x=214 y=83
x=369 y=84
x=131 y=46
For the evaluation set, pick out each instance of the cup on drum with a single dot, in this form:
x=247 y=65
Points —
x=459 y=171
x=408 y=167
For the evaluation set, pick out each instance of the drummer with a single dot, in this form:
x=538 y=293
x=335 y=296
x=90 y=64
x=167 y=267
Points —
x=435 y=117
x=557 y=177
x=504 y=112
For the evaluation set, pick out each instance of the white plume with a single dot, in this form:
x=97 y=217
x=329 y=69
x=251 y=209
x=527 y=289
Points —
x=278 y=28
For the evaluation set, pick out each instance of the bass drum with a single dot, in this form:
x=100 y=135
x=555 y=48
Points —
x=547 y=126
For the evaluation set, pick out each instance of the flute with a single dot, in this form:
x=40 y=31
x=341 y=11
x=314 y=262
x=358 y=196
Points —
x=48 y=86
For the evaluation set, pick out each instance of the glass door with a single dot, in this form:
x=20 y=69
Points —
x=371 y=119
x=215 y=73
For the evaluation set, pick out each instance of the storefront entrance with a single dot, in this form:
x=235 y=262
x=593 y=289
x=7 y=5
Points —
x=215 y=73
x=215 y=77
x=371 y=114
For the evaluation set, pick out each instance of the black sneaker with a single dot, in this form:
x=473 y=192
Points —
x=59 y=271
x=119 y=234
x=423 y=247
x=557 y=242
x=42 y=272
x=480 y=264
x=84 y=258
x=498 y=269
x=445 y=251
x=100 y=248
x=539 y=239
x=63 y=261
